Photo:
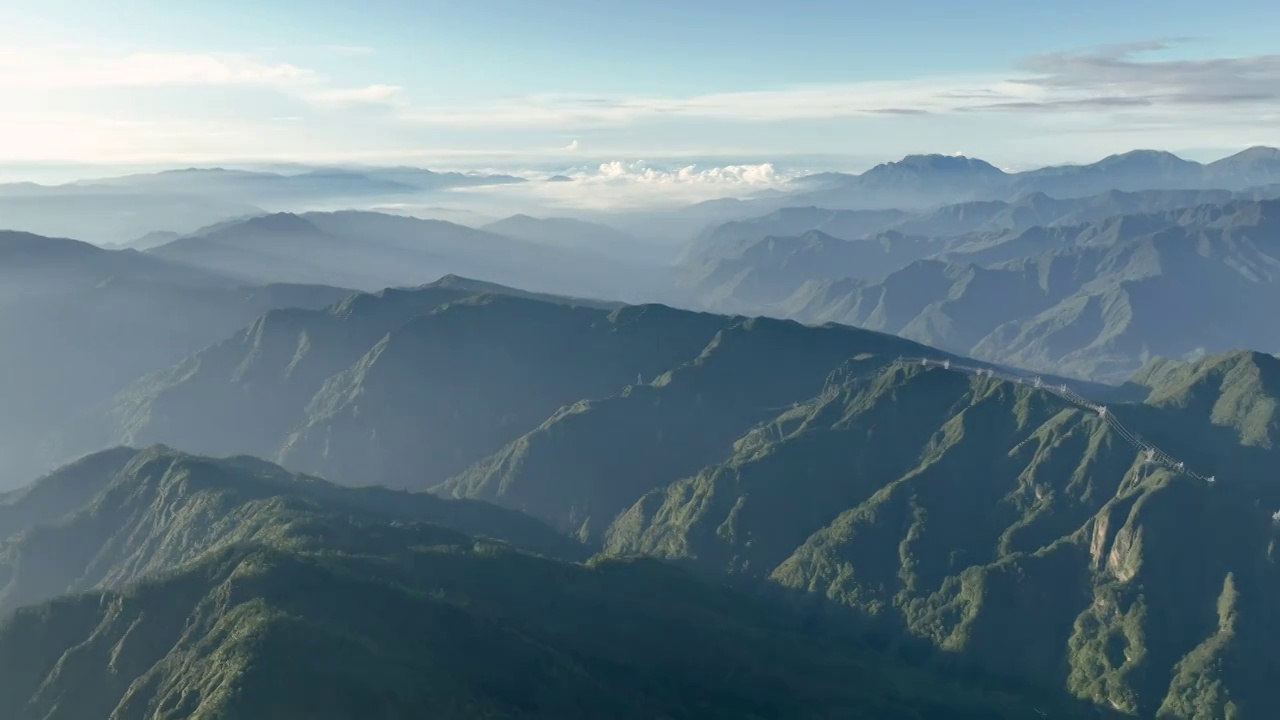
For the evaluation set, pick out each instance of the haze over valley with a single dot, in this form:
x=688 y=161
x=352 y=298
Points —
x=343 y=378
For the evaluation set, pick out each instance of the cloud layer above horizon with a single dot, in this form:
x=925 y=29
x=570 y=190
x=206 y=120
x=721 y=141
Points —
x=189 y=106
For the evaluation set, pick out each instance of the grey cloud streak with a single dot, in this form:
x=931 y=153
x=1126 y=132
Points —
x=1117 y=80
x=1116 y=76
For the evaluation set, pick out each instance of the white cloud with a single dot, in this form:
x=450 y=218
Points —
x=1115 y=80
x=43 y=70
x=368 y=95
x=641 y=172
x=1107 y=99
x=47 y=70
x=29 y=135
x=635 y=184
x=798 y=103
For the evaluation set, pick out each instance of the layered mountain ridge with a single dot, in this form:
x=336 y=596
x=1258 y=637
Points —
x=1091 y=300
x=228 y=588
x=538 y=504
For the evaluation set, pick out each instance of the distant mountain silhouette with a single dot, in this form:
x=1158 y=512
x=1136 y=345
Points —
x=1093 y=300
x=371 y=251
x=81 y=322
x=922 y=181
x=118 y=210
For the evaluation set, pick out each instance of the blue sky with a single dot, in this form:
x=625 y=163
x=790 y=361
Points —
x=572 y=82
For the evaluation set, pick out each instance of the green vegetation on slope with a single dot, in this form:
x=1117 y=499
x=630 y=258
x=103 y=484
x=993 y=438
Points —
x=999 y=522
x=927 y=506
x=575 y=473
x=121 y=514
x=266 y=595
x=341 y=392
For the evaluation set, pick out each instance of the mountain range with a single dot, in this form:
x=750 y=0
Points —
x=919 y=181
x=371 y=251
x=804 y=464
x=1003 y=449
x=229 y=588
x=120 y=209
x=1086 y=297
x=730 y=239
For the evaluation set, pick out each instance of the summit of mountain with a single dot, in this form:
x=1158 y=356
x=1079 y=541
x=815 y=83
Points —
x=935 y=162
x=932 y=181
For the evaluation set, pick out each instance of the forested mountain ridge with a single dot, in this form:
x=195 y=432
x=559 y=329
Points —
x=116 y=516
x=876 y=519
x=944 y=507
x=338 y=392
x=805 y=458
x=237 y=590
x=1009 y=510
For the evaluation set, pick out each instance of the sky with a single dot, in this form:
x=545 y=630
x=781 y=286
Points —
x=630 y=86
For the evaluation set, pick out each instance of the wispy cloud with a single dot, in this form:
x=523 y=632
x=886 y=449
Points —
x=368 y=95
x=1115 y=78
x=46 y=70
x=798 y=103
x=1101 y=95
x=636 y=184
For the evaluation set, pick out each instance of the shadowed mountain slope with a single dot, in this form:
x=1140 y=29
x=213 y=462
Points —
x=259 y=594
x=80 y=323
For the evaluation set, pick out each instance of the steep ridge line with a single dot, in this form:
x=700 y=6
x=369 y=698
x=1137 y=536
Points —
x=1152 y=455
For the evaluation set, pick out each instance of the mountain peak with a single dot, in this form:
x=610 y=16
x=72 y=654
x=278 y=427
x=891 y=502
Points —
x=943 y=163
x=1256 y=158
x=1145 y=158
x=283 y=222
x=1257 y=151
